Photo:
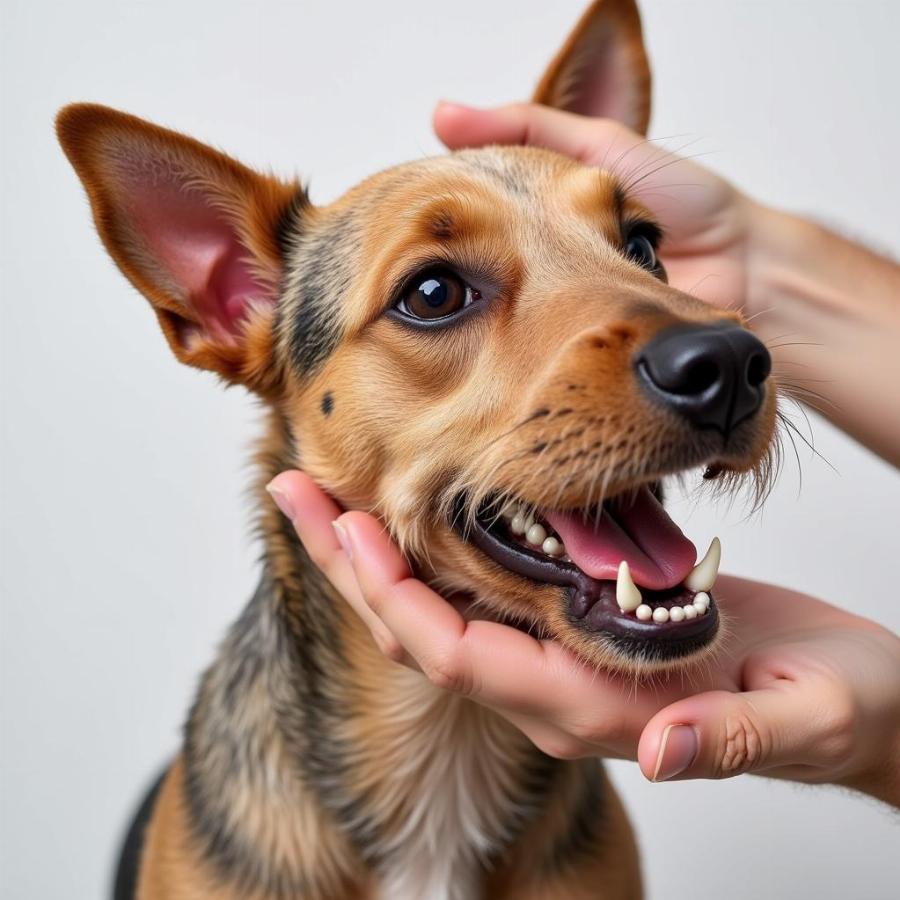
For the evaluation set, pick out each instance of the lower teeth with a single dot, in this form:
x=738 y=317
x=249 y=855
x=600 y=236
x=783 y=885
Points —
x=522 y=524
x=661 y=614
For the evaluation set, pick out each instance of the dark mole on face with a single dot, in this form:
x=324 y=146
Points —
x=327 y=403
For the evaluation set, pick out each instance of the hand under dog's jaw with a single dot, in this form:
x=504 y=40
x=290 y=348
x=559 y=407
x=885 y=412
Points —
x=630 y=576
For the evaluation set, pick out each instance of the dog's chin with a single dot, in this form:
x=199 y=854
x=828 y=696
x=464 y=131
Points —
x=665 y=616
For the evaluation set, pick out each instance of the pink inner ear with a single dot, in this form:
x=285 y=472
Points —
x=603 y=83
x=196 y=246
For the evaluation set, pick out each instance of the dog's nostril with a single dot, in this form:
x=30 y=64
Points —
x=759 y=368
x=712 y=375
x=699 y=377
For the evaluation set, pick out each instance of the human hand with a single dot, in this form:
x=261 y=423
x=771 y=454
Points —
x=804 y=691
x=711 y=230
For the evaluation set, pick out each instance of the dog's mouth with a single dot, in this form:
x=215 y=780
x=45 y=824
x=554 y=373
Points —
x=629 y=571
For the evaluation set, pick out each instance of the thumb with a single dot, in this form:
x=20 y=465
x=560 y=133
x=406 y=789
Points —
x=721 y=734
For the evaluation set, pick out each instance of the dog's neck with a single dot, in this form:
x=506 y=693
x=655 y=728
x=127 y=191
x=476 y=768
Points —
x=313 y=761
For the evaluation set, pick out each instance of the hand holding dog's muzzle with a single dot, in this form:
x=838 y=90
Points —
x=805 y=692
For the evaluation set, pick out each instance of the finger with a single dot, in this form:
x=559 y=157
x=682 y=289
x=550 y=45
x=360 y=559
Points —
x=312 y=513
x=596 y=142
x=495 y=664
x=720 y=734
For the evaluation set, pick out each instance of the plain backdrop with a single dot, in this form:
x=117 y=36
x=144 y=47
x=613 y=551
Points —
x=126 y=546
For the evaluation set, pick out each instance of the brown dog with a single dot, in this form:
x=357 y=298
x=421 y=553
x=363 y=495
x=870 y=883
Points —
x=483 y=349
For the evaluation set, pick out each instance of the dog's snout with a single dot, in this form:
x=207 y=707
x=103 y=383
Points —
x=713 y=375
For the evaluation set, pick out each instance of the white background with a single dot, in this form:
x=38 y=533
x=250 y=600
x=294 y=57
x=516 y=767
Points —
x=126 y=548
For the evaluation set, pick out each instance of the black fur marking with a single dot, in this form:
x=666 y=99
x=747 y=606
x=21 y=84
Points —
x=128 y=867
x=323 y=262
x=289 y=225
x=327 y=403
x=441 y=226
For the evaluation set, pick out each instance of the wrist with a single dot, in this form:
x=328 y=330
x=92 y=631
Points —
x=878 y=723
x=810 y=290
x=880 y=780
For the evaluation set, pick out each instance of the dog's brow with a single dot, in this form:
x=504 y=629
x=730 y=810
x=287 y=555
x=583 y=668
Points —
x=448 y=217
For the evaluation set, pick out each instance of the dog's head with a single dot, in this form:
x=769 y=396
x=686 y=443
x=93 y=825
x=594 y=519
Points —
x=481 y=347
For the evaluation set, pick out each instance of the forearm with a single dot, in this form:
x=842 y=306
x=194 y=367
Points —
x=830 y=311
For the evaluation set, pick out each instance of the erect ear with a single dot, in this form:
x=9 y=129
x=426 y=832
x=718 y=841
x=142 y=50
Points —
x=196 y=232
x=602 y=69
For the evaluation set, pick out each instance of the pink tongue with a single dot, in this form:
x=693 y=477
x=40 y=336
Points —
x=639 y=531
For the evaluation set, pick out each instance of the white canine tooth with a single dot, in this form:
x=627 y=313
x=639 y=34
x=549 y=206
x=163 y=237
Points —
x=703 y=575
x=701 y=602
x=660 y=615
x=627 y=595
x=676 y=614
x=510 y=508
x=690 y=611
x=536 y=535
x=517 y=525
x=552 y=547
x=644 y=613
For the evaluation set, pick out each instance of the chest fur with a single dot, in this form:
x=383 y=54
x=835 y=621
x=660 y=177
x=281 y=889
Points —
x=448 y=785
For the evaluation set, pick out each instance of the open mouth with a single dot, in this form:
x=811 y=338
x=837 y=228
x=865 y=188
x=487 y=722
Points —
x=630 y=572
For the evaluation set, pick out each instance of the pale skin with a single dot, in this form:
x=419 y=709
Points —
x=807 y=691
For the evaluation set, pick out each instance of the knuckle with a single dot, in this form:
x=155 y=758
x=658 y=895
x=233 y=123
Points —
x=591 y=732
x=443 y=673
x=743 y=745
x=390 y=647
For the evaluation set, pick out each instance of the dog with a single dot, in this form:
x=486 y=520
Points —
x=484 y=349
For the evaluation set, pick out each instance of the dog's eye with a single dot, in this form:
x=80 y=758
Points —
x=639 y=248
x=436 y=295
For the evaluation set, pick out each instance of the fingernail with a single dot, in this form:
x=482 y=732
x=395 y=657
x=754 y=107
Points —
x=282 y=501
x=677 y=751
x=343 y=539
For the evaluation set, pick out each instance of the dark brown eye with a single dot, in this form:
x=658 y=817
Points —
x=639 y=248
x=435 y=295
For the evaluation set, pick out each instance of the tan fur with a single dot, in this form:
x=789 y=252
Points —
x=312 y=765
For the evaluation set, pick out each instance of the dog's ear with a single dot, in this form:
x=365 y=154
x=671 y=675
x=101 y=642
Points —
x=195 y=231
x=602 y=69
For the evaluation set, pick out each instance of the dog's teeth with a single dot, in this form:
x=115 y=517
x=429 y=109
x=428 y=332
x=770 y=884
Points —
x=510 y=508
x=701 y=602
x=660 y=615
x=690 y=611
x=536 y=535
x=676 y=614
x=644 y=613
x=517 y=525
x=703 y=575
x=627 y=595
x=552 y=547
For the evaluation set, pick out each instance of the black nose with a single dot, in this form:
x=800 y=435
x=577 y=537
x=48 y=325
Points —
x=713 y=375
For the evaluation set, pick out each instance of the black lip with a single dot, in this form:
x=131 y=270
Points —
x=591 y=603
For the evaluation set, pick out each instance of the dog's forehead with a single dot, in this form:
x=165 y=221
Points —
x=528 y=203
x=521 y=175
